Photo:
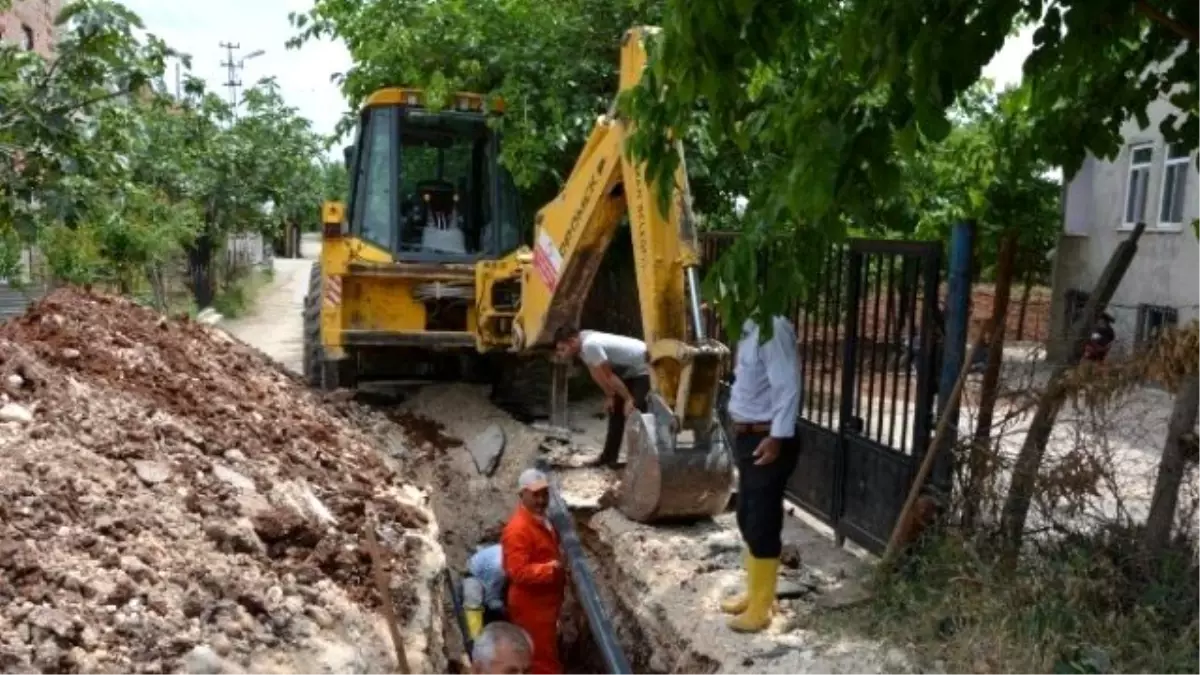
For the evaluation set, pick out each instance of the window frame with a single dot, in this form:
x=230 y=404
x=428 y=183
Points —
x=506 y=201
x=1130 y=167
x=364 y=173
x=449 y=258
x=360 y=180
x=354 y=178
x=1167 y=319
x=1167 y=162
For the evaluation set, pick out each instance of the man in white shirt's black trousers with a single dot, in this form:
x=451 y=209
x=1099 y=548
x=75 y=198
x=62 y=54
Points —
x=764 y=402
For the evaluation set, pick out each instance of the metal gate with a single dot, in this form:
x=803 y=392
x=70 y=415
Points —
x=868 y=382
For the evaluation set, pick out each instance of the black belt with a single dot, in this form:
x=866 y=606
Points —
x=752 y=427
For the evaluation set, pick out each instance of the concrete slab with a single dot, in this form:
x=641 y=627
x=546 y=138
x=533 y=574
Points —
x=486 y=449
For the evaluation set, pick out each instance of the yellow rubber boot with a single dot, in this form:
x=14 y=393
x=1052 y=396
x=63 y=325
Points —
x=474 y=622
x=761 y=577
x=736 y=604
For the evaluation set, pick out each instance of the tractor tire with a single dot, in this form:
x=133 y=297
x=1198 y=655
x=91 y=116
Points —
x=521 y=386
x=320 y=372
x=472 y=368
x=313 y=352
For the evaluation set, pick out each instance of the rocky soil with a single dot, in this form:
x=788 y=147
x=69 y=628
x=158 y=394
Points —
x=172 y=501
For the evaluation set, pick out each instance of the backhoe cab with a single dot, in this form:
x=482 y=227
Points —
x=394 y=294
x=425 y=271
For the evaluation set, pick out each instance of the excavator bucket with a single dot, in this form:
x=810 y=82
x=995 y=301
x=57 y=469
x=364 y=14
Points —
x=670 y=476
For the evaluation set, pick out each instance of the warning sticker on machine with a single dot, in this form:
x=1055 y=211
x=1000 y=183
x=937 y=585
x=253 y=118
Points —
x=547 y=260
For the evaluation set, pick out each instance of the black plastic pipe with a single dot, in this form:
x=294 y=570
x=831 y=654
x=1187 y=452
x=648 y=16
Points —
x=585 y=585
x=460 y=612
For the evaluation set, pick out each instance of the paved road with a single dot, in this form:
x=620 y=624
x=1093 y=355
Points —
x=275 y=325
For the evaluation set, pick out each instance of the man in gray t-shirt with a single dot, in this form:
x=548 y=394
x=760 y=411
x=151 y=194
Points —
x=619 y=365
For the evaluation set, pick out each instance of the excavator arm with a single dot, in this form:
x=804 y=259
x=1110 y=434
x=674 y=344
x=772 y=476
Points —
x=678 y=461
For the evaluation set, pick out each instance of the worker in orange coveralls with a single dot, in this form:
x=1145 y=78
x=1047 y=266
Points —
x=533 y=565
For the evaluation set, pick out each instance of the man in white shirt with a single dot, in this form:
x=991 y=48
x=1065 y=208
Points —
x=619 y=365
x=763 y=403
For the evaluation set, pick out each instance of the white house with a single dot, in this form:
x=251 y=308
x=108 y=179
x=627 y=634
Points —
x=1149 y=181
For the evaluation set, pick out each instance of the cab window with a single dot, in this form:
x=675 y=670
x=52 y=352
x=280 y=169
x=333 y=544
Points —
x=510 y=220
x=445 y=195
x=378 y=193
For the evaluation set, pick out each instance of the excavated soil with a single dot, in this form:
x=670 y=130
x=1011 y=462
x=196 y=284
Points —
x=172 y=501
x=429 y=435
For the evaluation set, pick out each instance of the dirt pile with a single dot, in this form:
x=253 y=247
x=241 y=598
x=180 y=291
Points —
x=170 y=500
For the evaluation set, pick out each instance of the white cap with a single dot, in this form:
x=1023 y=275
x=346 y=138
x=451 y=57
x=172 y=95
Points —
x=532 y=479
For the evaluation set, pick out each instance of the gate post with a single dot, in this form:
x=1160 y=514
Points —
x=849 y=389
x=954 y=344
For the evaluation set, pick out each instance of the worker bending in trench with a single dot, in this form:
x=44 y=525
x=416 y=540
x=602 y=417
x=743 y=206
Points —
x=483 y=591
x=764 y=402
x=502 y=648
x=534 y=568
x=619 y=365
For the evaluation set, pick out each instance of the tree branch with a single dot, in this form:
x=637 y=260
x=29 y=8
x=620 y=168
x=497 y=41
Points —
x=1158 y=16
x=80 y=105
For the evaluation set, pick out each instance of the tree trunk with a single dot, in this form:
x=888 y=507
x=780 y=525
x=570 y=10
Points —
x=158 y=288
x=200 y=262
x=1171 y=468
x=981 y=444
x=1033 y=450
x=1025 y=302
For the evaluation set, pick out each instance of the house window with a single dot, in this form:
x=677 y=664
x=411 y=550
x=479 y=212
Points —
x=1174 y=187
x=1140 y=158
x=1152 y=320
x=26 y=38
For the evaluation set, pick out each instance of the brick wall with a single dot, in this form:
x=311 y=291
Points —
x=35 y=15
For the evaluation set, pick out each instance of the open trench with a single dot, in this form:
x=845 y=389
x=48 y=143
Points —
x=579 y=649
x=649 y=645
x=471 y=510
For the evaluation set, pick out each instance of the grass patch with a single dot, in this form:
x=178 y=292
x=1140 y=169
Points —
x=1080 y=605
x=239 y=295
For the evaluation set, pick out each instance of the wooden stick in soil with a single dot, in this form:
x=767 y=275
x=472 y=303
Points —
x=383 y=585
x=990 y=386
x=931 y=452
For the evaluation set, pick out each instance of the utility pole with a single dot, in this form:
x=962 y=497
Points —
x=232 y=68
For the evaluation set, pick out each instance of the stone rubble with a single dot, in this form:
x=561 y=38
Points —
x=171 y=501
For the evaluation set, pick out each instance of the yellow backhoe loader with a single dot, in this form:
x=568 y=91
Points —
x=423 y=273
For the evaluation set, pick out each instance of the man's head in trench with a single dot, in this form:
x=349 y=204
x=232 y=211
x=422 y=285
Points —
x=502 y=648
x=534 y=491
